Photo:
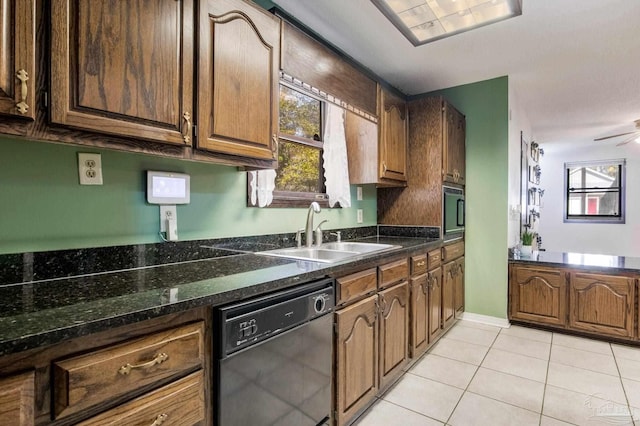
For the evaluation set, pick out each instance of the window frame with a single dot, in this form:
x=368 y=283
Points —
x=620 y=218
x=294 y=198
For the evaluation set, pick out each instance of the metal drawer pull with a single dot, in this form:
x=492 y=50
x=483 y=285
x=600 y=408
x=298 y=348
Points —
x=186 y=136
x=23 y=76
x=421 y=263
x=158 y=359
x=160 y=419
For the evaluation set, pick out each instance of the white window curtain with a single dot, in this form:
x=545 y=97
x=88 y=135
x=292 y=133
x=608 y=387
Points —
x=336 y=167
x=262 y=184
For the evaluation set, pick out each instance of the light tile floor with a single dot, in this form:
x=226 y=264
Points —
x=483 y=375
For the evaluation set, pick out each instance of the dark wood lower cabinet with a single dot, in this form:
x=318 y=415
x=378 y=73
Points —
x=17 y=399
x=538 y=295
x=434 y=283
x=458 y=289
x=394 y=331
x=599 y=304
x=356 y=350
x=448 y=286
x=419 y=315
x=602 y=304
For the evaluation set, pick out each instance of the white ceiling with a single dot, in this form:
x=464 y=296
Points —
x=574 y=64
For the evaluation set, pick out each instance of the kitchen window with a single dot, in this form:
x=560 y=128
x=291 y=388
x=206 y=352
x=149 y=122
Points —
x=300 y=174
x=595 y=192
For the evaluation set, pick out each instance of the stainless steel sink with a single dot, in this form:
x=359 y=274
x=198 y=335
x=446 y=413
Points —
x=329 y=252
x=357 y=247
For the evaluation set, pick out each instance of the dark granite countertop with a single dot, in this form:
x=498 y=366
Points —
x=43 y=312
x=592 y=262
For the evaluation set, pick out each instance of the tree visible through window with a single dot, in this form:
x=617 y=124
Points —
x=300 y=176
x=595 y=191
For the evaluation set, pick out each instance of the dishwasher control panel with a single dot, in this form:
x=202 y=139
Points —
x=247 y=323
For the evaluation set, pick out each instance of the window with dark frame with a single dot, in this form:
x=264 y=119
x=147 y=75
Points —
x=595 y=191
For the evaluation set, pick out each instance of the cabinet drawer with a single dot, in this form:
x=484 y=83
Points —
x=418 y=264
x=355 y=285
x=99 y=376
x=452 y=251
x=180 y=403
x=434 y=258
x=17 y=401
x=393 y=272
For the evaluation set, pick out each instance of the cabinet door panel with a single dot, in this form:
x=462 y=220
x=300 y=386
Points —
x=434 y=279
x=454 y=145
x=17 y=58
x=602 y=304
x=17 y=403
x=393 y=137
x=419 y=315
x=394 y=331
x=123 y=68
x=356 y=357
x=538 y=295
x=238 y=80
x=448 y=285
x=458 y=291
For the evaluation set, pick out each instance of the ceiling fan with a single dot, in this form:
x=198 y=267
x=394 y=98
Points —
x=635 y=135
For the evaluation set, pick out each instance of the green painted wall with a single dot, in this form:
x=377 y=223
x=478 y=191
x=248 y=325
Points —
x=486 y=107
x=45 y=208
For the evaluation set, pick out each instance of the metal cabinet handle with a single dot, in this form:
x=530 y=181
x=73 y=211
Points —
x=23 y=76
x=160 y=419
x=186 y=136
x=384 y=167
x=425 y=286
x=421 y=263
x=383 y=308
x=158 y=359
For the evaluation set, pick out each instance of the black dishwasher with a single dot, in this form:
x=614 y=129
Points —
x=274 y=358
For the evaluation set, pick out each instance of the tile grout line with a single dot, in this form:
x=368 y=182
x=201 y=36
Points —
x=546 y=379
x=472 y=377
x=624 y=390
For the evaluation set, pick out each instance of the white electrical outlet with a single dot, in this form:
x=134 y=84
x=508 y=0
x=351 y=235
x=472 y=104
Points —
x=90 y=169
x=359 y=193
x=167 y=213
x=359 y=216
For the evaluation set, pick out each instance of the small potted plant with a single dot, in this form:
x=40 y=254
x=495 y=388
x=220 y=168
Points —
x=527 y=241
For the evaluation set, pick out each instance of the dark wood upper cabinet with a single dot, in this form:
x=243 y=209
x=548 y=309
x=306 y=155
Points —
x=392 y=136
x=17 y=58
x=124 y=68
x=378 y=152
x=238 y=73
x=453 y=154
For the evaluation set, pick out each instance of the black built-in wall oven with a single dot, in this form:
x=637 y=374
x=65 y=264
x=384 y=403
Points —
x=452 y=212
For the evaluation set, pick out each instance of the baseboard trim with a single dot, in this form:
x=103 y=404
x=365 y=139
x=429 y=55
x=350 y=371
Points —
x=485 y=319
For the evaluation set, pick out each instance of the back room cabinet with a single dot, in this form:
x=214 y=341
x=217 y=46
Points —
x=124 y=68
x=602 y=304
x=17 y=58
x=538 y=294
x=239 y=62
